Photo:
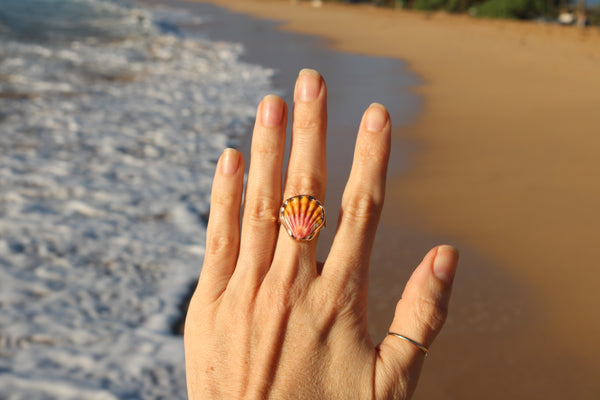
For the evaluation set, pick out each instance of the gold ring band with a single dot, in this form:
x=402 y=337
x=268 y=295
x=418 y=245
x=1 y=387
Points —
x=419 y=345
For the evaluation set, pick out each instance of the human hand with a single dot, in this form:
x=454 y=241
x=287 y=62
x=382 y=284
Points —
x=266 y=320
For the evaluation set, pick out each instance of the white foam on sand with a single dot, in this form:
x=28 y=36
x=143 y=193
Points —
x=107 y=152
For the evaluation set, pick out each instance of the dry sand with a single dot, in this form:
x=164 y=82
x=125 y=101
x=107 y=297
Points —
x=507 y=167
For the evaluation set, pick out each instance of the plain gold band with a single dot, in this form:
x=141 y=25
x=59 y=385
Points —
x=419 y=345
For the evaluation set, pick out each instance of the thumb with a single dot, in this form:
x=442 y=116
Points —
x=420 y=315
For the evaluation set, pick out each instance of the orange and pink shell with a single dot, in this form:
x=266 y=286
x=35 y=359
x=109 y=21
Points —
x=302 y=216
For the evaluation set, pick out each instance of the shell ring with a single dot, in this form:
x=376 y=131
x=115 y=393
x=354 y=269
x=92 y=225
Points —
x=302 y=216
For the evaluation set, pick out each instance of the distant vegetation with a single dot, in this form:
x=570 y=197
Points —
x=519 y=9
x=516 y=9
x=594 y=15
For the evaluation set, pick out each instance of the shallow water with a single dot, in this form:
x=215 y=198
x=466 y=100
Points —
x=110 y=127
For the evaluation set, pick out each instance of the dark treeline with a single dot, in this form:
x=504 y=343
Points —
x=516 y=9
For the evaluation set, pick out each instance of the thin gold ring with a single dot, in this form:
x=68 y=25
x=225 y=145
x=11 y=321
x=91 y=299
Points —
x=419 y=345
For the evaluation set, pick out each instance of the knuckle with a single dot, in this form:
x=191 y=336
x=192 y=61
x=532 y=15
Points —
x=278 y=297
x=242 y=313
x=225 y=199
x=217 y=245
x=261 y=209
x=265 y=150
x=333 y=303
x=362 y=206
x=325 y=309
x=305 y=182
x=370 y=153
x=306 y=125
x=431 y=313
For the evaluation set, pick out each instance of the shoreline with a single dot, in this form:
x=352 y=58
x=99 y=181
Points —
x=508 y=126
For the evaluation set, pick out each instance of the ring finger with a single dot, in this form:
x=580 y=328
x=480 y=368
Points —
x=307 y=167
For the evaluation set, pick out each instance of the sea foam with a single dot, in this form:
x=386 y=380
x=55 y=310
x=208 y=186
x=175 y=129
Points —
x=108 y=142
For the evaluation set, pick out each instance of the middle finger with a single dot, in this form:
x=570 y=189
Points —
x=263 y=189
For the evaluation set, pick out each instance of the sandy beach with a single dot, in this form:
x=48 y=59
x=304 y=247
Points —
x=505 y=166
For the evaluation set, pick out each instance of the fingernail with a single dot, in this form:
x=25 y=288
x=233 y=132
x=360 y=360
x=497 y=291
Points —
x=376 y=117
x=444 y=265
x=230 y=162
x=272 y=111
x=309 y=85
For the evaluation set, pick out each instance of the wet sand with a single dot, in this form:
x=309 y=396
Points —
x=504 y=165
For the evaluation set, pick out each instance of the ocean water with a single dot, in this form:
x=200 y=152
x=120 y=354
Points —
x=111 y=121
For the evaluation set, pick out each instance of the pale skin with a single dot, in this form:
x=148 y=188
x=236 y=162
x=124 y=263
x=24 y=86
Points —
x=267 y=321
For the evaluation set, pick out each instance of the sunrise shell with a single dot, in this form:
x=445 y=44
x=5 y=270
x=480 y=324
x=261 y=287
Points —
x=302 y=216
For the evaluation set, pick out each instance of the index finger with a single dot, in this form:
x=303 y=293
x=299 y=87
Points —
x=362 y=201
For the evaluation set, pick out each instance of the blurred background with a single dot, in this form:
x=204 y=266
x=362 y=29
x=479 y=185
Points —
x=113 y=114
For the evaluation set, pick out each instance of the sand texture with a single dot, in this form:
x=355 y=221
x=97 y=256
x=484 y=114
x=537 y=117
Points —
x=506 y=166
